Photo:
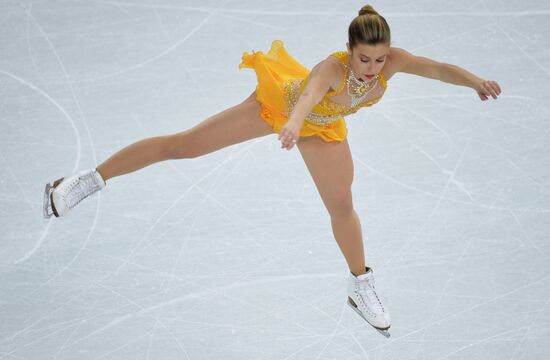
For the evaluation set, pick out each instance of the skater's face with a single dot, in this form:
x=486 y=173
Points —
x=368 y=60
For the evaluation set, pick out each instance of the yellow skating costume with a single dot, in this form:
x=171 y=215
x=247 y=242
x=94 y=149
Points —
x=281 y=79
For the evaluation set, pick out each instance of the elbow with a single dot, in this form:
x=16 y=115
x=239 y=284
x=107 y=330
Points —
x=310 y=98
x=441 y=71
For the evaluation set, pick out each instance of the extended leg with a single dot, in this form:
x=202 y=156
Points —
x=231 y=126
x=234 y=125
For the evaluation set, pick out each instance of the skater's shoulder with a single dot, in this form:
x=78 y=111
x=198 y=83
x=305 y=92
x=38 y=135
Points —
x=328 y=69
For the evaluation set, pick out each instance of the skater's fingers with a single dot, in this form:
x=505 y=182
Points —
x=485 y=93
x=286 y=144
x=287 y=136
x=285 y=141
x=494 y=85
x=289 y=143
x=492 y=90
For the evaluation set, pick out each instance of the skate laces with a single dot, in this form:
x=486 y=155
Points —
x=365 y=289
x=80 y=188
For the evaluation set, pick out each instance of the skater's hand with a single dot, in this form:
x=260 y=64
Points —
x=486 y=88
x=289 y=134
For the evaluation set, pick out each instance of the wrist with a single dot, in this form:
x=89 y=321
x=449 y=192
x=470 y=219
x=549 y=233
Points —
x=476 y=84
x=295 y=121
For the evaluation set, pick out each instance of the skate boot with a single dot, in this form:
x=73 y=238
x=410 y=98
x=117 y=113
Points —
x=63 y=194
x=362 y=298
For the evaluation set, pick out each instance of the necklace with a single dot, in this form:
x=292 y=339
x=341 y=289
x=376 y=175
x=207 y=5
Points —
x=357 y=89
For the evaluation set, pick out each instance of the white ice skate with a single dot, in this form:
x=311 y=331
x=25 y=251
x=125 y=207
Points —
x=362 y=298
x=63 y=194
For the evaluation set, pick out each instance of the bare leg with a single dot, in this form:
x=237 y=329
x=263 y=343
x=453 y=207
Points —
x=234 y=125
x=135 y=156
x=331 y=168
x=347 y=231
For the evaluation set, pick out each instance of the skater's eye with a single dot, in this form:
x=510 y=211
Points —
x=366 y=61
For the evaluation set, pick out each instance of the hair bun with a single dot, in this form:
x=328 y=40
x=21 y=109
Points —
x=367 y=10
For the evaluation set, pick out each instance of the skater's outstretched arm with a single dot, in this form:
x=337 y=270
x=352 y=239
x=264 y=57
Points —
x=406 y=62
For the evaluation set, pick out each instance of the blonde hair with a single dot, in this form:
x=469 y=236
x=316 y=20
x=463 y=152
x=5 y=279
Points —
x=369 y=27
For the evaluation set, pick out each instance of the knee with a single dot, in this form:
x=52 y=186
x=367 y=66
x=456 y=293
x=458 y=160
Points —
x=340 y=204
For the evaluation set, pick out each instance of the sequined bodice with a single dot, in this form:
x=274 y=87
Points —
x=326 y=111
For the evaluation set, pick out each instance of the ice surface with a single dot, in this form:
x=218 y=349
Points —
x=231 y=255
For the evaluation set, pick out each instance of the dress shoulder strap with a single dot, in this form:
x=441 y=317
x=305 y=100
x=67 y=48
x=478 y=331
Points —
x=383 y=80
x=343 y=57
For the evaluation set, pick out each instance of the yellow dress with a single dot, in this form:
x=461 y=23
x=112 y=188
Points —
x=281 y=79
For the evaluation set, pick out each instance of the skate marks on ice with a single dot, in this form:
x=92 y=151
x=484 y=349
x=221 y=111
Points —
x=420 y=123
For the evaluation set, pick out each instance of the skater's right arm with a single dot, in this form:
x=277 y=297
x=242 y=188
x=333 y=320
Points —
x=321 y=77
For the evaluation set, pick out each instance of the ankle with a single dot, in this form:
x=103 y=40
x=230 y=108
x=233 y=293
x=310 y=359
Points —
x=102 y=177
x=358 y=272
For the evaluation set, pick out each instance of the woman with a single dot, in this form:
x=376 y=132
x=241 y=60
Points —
x=306 y=109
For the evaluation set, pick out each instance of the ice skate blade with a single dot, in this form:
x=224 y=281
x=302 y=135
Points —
x=46 y=206
x=383 y=331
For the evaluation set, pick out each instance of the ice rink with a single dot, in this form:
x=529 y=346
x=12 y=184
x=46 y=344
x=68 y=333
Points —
x=231 y=255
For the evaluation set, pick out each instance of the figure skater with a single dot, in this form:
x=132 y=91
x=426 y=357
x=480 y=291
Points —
x=306 y=109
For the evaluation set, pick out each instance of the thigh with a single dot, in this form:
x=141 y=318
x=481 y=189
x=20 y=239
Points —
x=331 y=167
x=231 y=126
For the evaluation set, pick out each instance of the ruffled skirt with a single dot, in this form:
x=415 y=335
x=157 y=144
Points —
x=273 y=70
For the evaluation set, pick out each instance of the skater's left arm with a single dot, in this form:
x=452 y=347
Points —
x=422 y=66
